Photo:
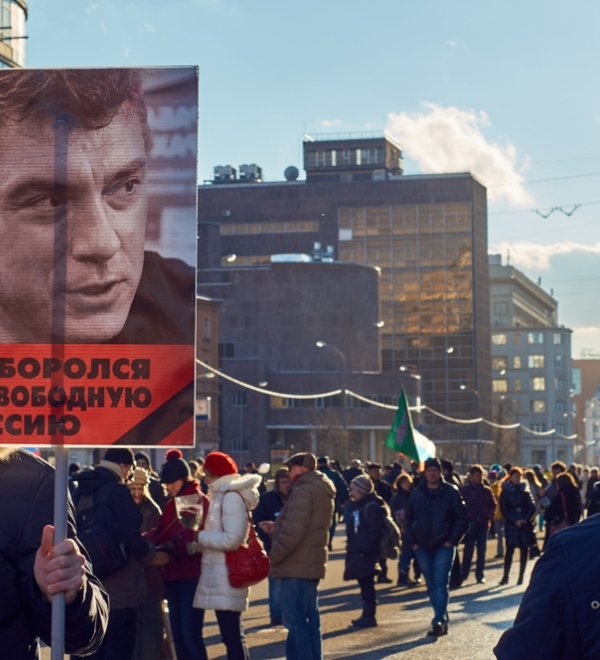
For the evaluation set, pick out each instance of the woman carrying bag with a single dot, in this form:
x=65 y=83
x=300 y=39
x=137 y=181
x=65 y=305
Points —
x=518 y=509
x=226 y=528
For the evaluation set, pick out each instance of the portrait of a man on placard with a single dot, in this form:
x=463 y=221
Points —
x=97 y=224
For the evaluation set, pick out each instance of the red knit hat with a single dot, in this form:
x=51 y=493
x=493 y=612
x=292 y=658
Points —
x=220 y=464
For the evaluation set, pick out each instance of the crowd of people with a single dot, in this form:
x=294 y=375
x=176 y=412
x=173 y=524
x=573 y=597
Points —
x=438 y=521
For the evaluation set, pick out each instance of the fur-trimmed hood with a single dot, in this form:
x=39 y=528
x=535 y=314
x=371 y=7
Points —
x=246 y=485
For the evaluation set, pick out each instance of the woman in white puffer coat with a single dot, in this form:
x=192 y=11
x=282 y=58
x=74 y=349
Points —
x=231 y=496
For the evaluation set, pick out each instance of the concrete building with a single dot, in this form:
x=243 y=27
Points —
x=425 y=235
x=531 y=370
x=207 y=388
x=272 y=319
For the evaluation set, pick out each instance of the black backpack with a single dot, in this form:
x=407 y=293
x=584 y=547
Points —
x=98 y=533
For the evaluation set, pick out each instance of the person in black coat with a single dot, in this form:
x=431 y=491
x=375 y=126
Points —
x=364 y=516
x=384 y=490
x=268 y=508
x=27 y=578
x=126 y=586
x=341 y=493
x=518 y=508
x=565 y=506
x=559 y=615
x=436 y=521
x=399 y=506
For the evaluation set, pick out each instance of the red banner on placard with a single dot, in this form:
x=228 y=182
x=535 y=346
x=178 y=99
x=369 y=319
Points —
x=96 y=394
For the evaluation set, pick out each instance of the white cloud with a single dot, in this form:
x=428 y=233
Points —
x=587 y=330
x=147 y=27
x=330 y=123
x=451 y=140
x=457 y=45
x=534 y=256
x=91 y=8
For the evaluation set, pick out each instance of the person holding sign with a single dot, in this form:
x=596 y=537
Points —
x=33 y=569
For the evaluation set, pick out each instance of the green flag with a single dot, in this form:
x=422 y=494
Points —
x=401 y=437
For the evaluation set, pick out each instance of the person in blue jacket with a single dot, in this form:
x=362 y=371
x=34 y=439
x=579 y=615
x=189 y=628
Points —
x=559 y=615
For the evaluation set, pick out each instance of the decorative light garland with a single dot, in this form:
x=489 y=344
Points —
x=378 y=404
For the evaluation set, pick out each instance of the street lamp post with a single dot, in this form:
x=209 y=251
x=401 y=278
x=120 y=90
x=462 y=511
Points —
x=475 y=394
x=335 y=349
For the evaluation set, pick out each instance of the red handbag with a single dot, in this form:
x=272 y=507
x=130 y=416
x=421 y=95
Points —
x=249 y=564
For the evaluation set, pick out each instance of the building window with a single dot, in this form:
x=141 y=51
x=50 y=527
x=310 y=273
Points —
x=559 y=406
x=538 y=406
x=559 y=384
x=499 y=363
x=206 y=334
x=320 y=158
x=372 y=156
x=517 y=385
x=498 y=338
x=535 y=338
x=538 y=384
x=239 y=443
x=539 y=428
x=558 y=361
x=516 y=338
x=558 y=338
x=499 y=385
x=536 y=361
x=226 y=349
x=516 y=362
x=239 y=399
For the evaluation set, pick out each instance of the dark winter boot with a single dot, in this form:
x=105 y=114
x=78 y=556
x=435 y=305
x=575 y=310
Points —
x=507 y=565
x=367 y=618
x=522 y=566
x=402 y=579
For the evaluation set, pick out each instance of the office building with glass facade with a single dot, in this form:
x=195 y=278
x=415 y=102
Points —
x=427 y=237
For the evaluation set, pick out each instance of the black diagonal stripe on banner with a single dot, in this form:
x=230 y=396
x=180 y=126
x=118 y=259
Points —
x=163 y=421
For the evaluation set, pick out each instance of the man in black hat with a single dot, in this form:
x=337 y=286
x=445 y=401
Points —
x=436 y=520
x=126 y=585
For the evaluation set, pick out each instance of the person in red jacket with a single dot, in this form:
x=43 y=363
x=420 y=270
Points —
x=183 y=570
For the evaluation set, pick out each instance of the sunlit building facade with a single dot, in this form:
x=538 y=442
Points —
x=13 y=17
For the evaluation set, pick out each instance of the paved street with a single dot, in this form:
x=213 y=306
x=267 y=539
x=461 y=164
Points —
x=478 y=615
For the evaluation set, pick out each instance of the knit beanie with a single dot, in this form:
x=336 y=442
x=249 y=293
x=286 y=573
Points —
x=120 y=456
x=363 y=483
x=174 y=468
x=140 y=478
x=219 y=464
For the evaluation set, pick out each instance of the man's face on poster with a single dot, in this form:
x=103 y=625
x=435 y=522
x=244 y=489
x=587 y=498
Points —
x=105 y=200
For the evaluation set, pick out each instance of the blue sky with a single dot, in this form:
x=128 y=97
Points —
x=508 y=90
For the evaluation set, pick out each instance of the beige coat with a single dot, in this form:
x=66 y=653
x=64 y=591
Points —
x=226 y=528
x=299 y=546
